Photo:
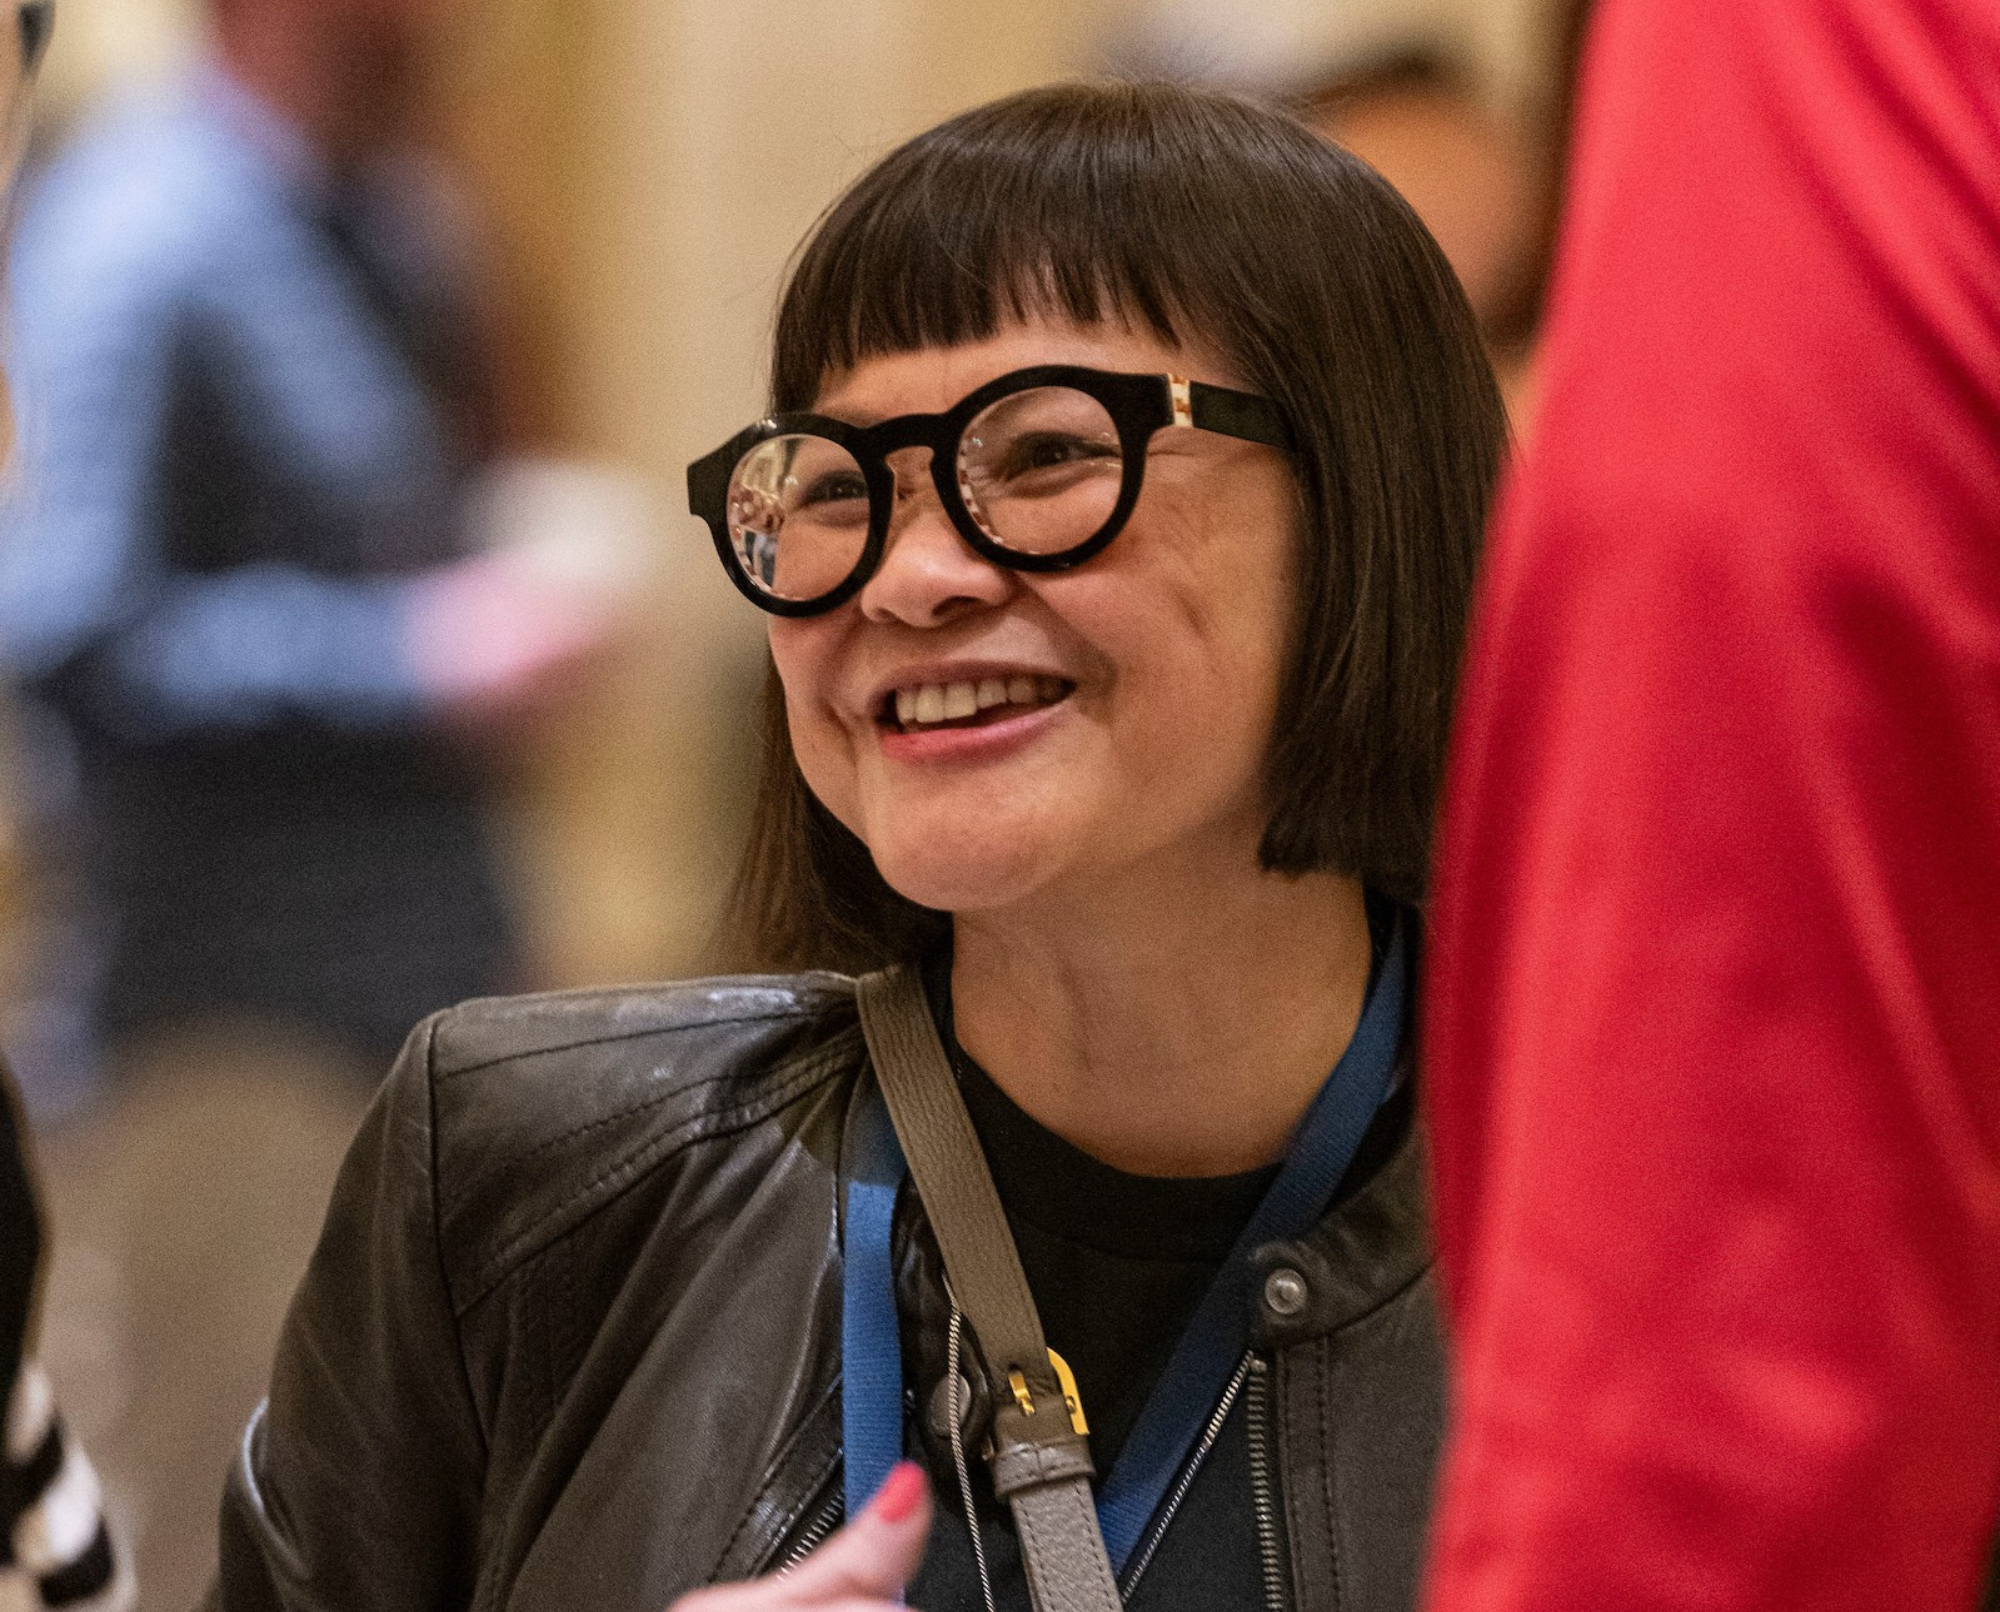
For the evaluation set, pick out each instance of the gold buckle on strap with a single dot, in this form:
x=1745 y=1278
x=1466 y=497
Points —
x=1066 y=1379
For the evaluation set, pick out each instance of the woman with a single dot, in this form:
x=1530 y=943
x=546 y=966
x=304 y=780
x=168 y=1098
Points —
x=1115 y=526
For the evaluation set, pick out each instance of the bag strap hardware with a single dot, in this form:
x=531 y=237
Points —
x=1041 y=1464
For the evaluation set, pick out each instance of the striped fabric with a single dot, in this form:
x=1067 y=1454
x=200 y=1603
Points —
x=56 y=1550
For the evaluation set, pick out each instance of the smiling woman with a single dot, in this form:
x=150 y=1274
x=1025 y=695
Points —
x=1114 y=523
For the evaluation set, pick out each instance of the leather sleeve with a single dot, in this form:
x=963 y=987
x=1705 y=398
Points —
x=358 y=1482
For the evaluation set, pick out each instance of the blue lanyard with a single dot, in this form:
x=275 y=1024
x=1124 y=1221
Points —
x=1217 y=1336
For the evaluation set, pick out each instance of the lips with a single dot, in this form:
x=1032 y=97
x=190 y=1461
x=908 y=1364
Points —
x=919 y=707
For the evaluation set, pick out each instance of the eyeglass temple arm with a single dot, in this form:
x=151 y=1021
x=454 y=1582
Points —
x=1243 y=415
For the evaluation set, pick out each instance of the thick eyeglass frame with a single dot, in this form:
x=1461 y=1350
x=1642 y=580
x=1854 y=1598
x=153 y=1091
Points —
x=1139 y=405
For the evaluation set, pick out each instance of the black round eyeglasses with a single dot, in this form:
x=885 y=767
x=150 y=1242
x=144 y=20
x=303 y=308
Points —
x=1038 y=470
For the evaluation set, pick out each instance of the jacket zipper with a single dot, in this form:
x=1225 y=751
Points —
x=1263 y=1492
x=824 y=1521
x=1209 y=1434
x=1253 y=1375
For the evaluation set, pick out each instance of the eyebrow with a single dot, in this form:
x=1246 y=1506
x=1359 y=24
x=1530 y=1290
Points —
x=861 y=419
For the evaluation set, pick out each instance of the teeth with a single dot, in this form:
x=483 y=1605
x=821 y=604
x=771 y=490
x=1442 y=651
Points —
x=951 y=702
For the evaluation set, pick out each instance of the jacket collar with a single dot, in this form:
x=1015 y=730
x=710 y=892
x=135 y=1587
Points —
x=1370 y=1246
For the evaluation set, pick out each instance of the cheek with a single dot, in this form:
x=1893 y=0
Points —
x=801 y=651
x=1220 y=642
x=1207 y=614
x=1250 y=591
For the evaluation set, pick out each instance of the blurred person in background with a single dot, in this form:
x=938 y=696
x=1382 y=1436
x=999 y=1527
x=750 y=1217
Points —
x=1410 y=95
x=245 y=582
x=1417 y=117
x=1713 y=1031
x=55 y=1547
x=241 y=566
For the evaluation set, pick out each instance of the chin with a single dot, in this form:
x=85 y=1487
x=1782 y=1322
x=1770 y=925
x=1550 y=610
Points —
x=958 y=873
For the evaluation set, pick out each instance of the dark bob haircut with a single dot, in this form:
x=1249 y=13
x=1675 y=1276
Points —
x=1211 y=222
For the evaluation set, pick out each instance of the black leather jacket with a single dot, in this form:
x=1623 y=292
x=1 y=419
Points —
x=571 y=1335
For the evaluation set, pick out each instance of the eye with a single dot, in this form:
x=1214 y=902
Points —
x=832 y=487
x=1049 y=450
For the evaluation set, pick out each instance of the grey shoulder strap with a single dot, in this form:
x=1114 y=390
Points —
x=1040 y=1466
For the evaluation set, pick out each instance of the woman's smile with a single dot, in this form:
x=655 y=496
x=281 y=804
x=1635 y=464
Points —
x=966 y=716
x=971 y=700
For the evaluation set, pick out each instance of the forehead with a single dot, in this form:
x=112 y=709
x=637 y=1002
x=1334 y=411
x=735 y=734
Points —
x=929 y=380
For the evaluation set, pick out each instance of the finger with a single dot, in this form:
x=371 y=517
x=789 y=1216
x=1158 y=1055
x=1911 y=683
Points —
x=877 y=1553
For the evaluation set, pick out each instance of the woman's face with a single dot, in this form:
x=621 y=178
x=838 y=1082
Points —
x=1139 y=689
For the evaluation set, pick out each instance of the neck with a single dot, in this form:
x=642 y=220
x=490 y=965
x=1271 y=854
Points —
x=1168 y=1032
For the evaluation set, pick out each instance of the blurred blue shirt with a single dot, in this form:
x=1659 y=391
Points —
x=250 y=402
x=177 y=318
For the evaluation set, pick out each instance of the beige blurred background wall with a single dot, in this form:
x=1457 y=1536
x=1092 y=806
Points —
x=648 y=165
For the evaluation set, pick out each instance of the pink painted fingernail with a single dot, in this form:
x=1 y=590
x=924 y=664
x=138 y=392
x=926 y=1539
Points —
x=901 y=1492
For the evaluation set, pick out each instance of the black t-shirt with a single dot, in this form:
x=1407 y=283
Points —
x=1117 y=1264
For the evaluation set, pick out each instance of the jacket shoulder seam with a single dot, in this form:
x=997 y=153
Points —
x=583 y=1042
x=713 y=1125
x=636 y=1033
x=645 y=1105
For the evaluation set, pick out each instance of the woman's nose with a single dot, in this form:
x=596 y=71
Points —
x=929 y=574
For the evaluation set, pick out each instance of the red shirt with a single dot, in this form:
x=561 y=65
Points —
x=1713 y=1019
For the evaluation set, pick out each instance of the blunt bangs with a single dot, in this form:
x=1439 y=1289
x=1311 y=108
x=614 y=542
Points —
x=1099 y=207
x=1227 y=228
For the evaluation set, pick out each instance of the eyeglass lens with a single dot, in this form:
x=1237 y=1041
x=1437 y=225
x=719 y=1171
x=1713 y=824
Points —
x=1039 y=473
x=798 y=516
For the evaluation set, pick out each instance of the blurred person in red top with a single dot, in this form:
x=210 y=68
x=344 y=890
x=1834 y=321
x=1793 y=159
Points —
x=1714 y=1019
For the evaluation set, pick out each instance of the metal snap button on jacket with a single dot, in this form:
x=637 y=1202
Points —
x=1285 y=1292
x=940 y=1408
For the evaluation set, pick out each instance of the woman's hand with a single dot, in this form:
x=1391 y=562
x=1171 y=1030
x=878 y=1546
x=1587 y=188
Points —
x=863 y=1568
